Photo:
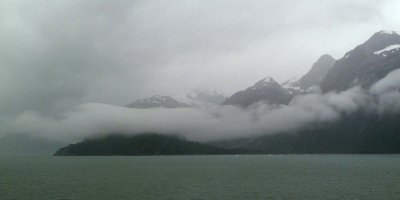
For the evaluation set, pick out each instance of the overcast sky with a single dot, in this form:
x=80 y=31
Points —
x=58 y=54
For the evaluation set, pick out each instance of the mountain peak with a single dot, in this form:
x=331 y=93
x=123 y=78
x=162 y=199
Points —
x=267 y=80
x=267 y=90
x=325 y=57
x=387 y=32
x=264 y=82
x=317 y=72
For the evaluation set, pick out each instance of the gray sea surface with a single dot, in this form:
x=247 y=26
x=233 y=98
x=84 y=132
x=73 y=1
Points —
x=200 y=177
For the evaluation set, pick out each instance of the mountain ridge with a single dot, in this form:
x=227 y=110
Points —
x=317 y=72
x=363 y=65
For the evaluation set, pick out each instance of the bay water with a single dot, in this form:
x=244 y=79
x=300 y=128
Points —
x=200 y=177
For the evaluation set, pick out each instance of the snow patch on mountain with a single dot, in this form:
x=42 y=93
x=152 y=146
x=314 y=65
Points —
x=391 y=48
x=293 y=86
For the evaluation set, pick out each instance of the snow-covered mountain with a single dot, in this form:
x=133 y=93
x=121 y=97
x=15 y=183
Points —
x=157 y=101
x=293 y=86
x=206 y=96
x=267 y=90
x=365 y=64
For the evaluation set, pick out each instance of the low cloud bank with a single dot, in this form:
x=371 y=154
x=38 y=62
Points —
x=208 y=122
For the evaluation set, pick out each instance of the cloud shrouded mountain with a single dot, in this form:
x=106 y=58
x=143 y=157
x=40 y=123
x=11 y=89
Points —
x=68 y=66
x=211 y=97
x=208 y=122
x=70 y=52
x=367 y=122
x=366 y=64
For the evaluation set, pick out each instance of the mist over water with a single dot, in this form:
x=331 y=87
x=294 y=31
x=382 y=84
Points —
x=205 y=122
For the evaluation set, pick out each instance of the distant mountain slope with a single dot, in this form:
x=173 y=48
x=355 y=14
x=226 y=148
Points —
x=142 y=144
x=362 y=132
x=266 y=89
x=156 y=102
x=366 y=64
x=317 y=72
x=357 y=133
x=205 y=96
x=293 y=86
x=19 y=143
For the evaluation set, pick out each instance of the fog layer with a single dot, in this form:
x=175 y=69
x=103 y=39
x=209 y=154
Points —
x=209 y=122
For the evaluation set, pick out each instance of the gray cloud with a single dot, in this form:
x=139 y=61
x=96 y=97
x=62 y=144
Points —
x=390 y=83
x=387 y=91
x=206 y=122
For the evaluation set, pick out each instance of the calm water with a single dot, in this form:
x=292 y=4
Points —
x=201 y=177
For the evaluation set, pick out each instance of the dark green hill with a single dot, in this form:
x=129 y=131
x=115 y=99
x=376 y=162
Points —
x=356 y=133
x=142 y=144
